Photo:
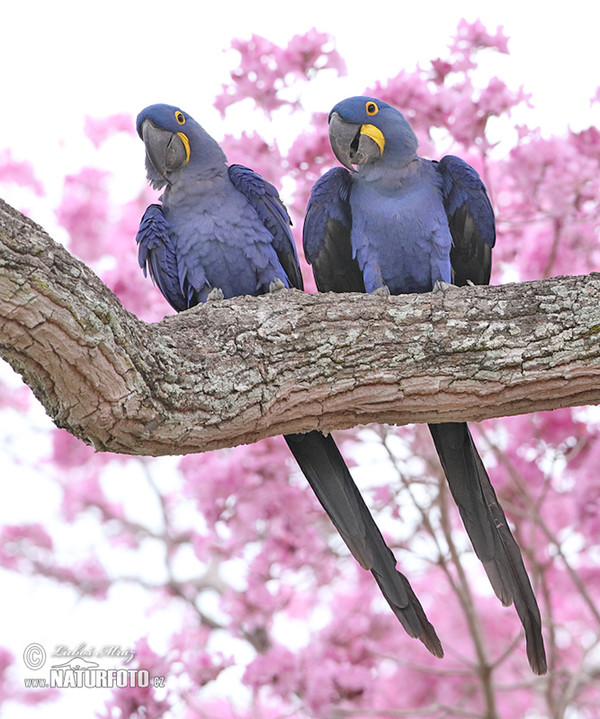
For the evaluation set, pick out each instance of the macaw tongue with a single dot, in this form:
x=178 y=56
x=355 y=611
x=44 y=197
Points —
x=353 y=144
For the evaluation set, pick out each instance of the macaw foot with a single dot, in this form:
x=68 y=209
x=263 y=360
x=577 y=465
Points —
x=383 y=291
x=276 y=286
x=441 y=286
x=215 y=294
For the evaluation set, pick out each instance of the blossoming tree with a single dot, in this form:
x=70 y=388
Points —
x=268 y=616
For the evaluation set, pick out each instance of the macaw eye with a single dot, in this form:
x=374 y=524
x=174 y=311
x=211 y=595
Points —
x=372 y=108
x=180 y=117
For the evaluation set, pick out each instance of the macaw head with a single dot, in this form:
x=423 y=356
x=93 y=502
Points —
x=364 y=130
x=174 y=141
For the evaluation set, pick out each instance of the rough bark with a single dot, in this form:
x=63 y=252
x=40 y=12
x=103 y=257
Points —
x=235 y=371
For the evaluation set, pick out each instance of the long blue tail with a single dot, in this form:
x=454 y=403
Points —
x=326 y=471
x=489 y=532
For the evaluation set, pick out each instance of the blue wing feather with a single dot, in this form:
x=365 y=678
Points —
x=157 y=256
x=470 y=218
x=264 y=198
x=327 y=234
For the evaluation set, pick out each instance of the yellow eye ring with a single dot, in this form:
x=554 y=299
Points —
x=180 y=117
x=371 y=108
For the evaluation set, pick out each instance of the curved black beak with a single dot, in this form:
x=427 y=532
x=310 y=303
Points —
x=166 y=151
x=351 y=143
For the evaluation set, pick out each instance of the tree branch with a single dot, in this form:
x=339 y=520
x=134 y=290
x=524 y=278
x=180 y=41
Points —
x=235 y=371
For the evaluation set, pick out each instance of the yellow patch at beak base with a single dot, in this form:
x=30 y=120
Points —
x=186 y=143
x=375 y=134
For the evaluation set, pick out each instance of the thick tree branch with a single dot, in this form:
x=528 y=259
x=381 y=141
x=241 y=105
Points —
x=235 y=371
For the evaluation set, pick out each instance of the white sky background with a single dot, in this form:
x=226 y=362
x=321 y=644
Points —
x=63 y=60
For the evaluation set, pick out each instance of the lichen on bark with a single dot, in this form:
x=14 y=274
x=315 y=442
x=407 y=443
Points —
x=234 y=371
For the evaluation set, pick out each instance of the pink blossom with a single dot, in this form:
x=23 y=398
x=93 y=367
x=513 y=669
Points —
x=21 y=173
x=141 y=700
x=99 y=129
x=84 y=212
x=253 y=151
x=18 y=399
x=276 y=667
x=312 y=51
x=475 y=36
x=32 y=533
x=135 y=701
x=68 y=451
x=253 y=581
x=11 y=692
x=137 y=293
x=266 y=69
x=23 y=546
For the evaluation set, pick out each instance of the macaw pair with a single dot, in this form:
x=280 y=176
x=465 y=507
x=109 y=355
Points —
x=387 y=221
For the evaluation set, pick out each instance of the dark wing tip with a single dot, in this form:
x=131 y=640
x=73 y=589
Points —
x=156 y=255
x=536 y=654
x=470 y=219
x=269 y=207
x=413 y=618
x=326 y=234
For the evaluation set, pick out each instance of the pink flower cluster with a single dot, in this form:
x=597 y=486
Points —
x=99 y=129
x=258 y=609
x=18 y=172
x=266 y=70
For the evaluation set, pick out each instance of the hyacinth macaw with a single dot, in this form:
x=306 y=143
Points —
x=390 y=221
x=221 y=231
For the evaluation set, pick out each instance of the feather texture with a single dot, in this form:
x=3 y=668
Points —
x=225 y=228
x=404 y=223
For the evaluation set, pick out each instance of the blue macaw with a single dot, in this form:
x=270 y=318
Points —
x=221 y=231
x=390 y=221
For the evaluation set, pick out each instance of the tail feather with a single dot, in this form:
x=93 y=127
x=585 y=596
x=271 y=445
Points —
x=489 y=532
x=326 y=471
